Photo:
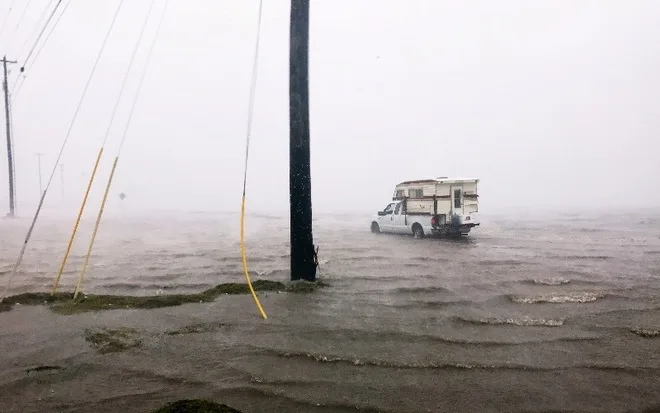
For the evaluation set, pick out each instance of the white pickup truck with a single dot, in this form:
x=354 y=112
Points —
x=429 y=207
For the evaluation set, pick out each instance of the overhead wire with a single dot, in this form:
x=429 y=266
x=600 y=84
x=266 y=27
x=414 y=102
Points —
x=59 y=156
x=89 y=187
x=36 y=42
x=253 y=87
x=20 y=19
x=39 y=23
x=43 y=29
x=4 y=21
x=11 y=96
x=83 y=272
x=107 y=133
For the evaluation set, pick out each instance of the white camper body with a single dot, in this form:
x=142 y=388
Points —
x=441 y=206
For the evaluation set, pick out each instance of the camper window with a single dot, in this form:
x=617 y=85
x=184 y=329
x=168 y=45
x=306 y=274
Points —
x=416 y=193
x=457 y=198
x=399 y=194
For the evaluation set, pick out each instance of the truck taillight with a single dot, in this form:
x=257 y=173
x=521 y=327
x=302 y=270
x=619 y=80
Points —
x=434 y=221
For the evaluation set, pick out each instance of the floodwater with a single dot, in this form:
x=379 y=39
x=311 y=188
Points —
x=560 y=314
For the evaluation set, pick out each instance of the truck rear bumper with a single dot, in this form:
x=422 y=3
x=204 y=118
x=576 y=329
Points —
x=448 y=229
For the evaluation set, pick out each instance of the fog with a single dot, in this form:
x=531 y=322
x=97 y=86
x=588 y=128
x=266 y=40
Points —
x=553 y=105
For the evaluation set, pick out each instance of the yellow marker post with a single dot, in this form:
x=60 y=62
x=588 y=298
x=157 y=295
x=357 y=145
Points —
x=96 y=228
x=75 y=227
x=245 y=268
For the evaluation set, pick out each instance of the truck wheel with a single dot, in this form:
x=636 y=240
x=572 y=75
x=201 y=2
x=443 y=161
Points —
x=418 y=231
x=375 y=228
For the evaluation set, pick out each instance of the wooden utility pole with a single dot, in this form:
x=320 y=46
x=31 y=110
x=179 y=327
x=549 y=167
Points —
x=10 y=153
x=303 y=254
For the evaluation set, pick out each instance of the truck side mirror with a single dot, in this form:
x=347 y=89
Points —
x=381 y=213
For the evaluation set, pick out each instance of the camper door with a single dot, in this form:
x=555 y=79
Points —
x=457 y=206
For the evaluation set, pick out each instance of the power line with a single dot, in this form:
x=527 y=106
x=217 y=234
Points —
x=128 y=71
x=59 y=156
x=114 y=165
x=142 y=77
x=4 y=22
x=39 y=38
x=253 y=86
x=105 y=138
x=107 y=133
x=37 y=24
x=20 y=19
x=42 y=32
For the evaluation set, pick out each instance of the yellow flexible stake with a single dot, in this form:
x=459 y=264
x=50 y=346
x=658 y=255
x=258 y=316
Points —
x=75 y=227
x=245 y=268
x=96 y=228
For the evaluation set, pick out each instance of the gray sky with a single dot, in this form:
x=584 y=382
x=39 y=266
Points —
x=552 y=104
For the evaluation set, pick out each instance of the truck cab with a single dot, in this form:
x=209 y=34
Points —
x=392 y=218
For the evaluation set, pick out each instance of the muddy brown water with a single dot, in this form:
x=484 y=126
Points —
x=547 y=314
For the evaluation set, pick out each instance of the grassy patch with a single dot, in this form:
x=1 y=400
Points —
x=63 y=303
x=195 y=406
x=304 y=286
x=113 y=340
x=37 y=298
x=118 y=302
x=242 y=288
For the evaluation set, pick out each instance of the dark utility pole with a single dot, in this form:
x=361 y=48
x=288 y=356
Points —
x=10 y=153
x=303 y=255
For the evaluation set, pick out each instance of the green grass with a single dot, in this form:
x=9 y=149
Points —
x=37 y=298
x=63 y=303
x=117 y=302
